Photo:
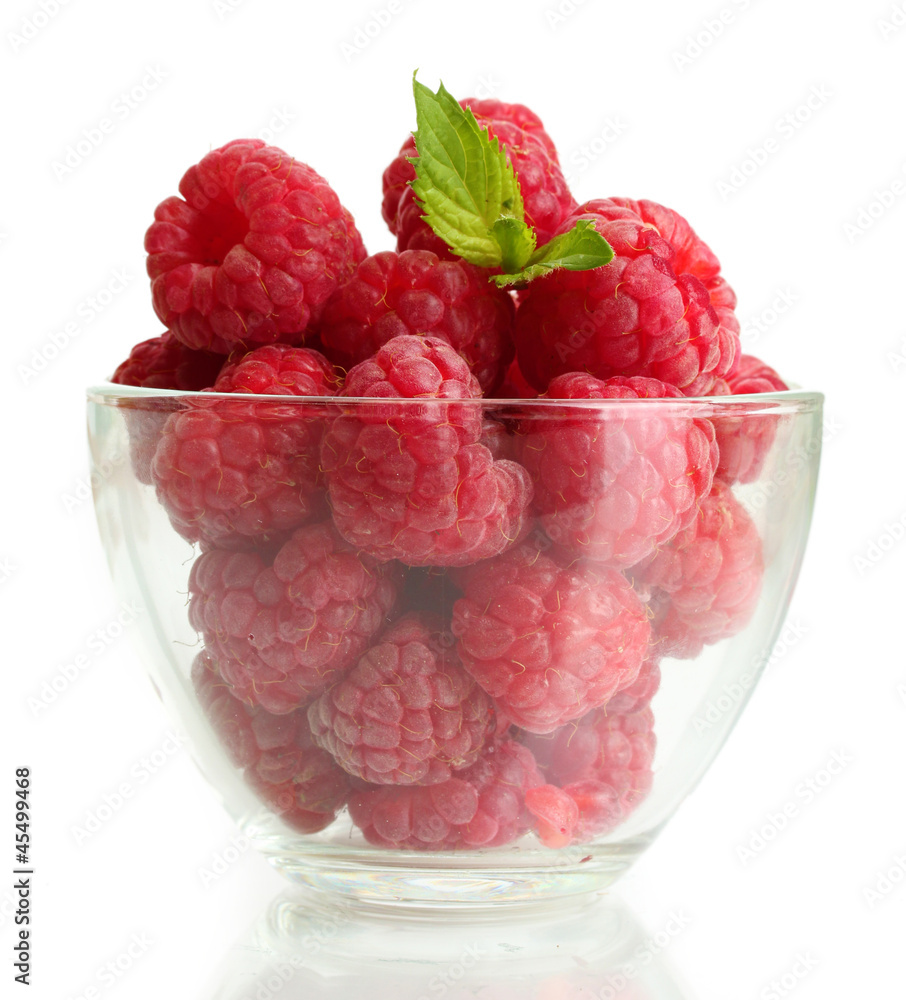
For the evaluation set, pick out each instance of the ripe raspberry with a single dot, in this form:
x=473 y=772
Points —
x=745 y=441
x=415 y=292
x=548 y=644
x=633 y=316
x=251 y=252
x=409 y=480
x=160 y=363
x=545 y=194
x=693 y=256
x=283 y=629
x=614 y=483
x=603 y=764
x=297 y=779
x=238 y=473
x=639 y=694
x=406 y=713
x=482 y=806
x=706 y=581
x=164 y=363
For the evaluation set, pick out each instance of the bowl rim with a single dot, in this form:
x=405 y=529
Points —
x=781 y=401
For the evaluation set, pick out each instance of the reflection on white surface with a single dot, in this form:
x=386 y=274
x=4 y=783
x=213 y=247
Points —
x=305 y=947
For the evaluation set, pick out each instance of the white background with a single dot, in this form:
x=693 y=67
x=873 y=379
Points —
x=637 y=107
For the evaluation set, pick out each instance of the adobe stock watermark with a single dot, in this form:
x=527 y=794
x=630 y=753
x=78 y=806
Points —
x=753 y=328
x=33 y=24
x=113 y=801
x=279 y=119
x=111 y=972
x=83 y=489
x=224 y=7
x=783 y=985
x=697 y=43
x=885 y=881
x=95 y=135
x=897 y=359
x=375 y=24
x=733 y=694
x=86 y=311
x=7 y=569
x=882 y=200
x=786 y=127
x=96 y=644
x=616 y=982
x=223 y=860
x=441 y=984
x=877 y=550
x=606 y=135
x=777 y=821
x=895 y=19
x=560 y=12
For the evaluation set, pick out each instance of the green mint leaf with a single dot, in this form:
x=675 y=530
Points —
x=516 y=241
x=464 y=181
x=581 y=249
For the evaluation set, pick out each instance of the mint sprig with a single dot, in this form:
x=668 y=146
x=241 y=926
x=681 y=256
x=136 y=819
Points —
x=471 y=198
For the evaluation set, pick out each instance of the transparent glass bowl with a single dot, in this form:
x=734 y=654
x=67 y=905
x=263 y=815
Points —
x=710 y=588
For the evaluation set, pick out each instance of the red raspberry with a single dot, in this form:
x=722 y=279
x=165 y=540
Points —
x=160 y=363
x=297 y=779
x=693 y=256
x=238 y=473
x=639 y=694
x=706 y=581
x=415 y=292
x=251 y=252
x=613 y=483
x=633 y=316
x=746 y=440
x=164 y=363
x=285 y=628
x=602 y=764
x=545 y=195
x=548 y=644
x=409 y=480
x=407 y=713
x=482 y=806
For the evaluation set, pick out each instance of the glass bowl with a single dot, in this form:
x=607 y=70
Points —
x=502 y=703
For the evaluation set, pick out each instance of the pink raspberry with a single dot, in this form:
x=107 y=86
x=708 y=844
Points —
x=482 y=806
x=601 y=769
x=252 y=250
x=237 y=473
x=633 y=316
x=745 y=440
x=611 y=483
x=160 y=363
x=545 y=194
x=706 y=581
x=406 y=713
x=693 y=256
x=164 y=363
x=415 y=292
x=297 y=779
x=409 y=480
x=548 y=644
x=284 y=628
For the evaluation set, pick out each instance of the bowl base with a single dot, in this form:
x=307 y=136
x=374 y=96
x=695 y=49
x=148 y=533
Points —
x=448 y=883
